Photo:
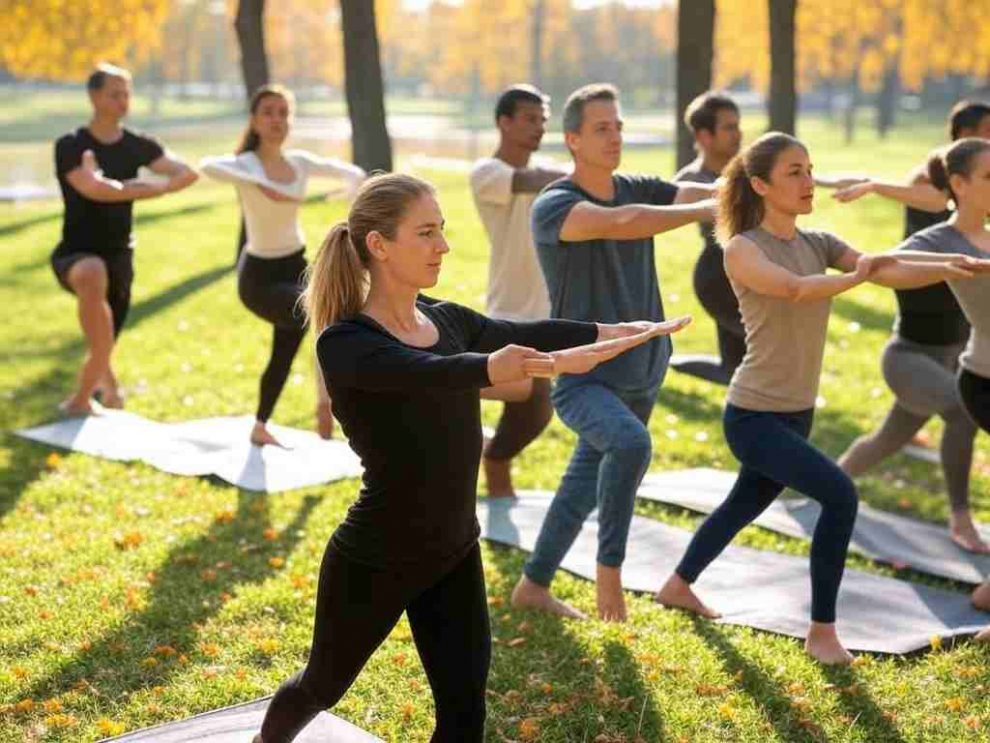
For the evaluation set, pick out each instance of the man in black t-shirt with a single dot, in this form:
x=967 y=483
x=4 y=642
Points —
x=97 y=167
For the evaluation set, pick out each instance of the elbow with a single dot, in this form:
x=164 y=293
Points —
x=796 y=292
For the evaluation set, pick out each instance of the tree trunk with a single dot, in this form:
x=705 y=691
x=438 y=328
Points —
x=783 y=93
x=365 y=88
x=536 y=15
x=887 y=99
x=850 y=117
x=250 y=27
x=695 y=46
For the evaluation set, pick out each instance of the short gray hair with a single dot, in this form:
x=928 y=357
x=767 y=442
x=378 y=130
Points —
x=576 y=101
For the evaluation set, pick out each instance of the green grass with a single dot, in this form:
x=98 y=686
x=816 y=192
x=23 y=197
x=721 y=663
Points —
x=131 y=597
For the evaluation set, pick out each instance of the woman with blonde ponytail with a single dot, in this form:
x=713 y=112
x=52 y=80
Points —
x=405 y=376
x=271 y=185
x=778 y=272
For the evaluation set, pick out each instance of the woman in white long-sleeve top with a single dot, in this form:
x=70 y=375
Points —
x=271 y=184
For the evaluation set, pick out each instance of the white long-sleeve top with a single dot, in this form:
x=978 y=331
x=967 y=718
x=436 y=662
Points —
x=273 y=228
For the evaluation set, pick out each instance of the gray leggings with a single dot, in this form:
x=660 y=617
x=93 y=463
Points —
x=923 y=378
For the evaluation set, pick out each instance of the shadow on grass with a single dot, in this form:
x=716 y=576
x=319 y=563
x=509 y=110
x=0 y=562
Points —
x=859 y=705
x=181 y=599
x=8 y=230
x=36 y=400
x=869 y=318
x=586 y=698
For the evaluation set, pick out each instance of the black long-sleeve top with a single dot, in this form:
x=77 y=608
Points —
x=413 y=417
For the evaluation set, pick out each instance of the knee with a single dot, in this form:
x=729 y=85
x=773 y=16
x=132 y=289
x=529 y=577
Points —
x=632 y=441
x=88 y=278
x=843 y=499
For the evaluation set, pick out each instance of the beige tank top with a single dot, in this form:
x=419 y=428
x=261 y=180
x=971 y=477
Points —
x=785 y=341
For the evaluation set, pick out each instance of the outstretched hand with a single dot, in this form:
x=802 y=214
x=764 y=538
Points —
x=852 y=193
x=508 y=364
x=620 y=338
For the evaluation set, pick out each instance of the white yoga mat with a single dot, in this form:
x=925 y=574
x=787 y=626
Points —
x=755 y=588
x=881 y=535
x=238 y=724
x=209 y=446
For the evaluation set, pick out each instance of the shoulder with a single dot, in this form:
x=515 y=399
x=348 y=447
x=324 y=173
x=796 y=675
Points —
x=297 y=156
x=563 y=190
x=931 y=239
x=139 y=137
x=742 y=243
x=696 y=173
x=72 y=141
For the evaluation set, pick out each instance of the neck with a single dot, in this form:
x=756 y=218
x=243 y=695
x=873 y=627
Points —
x=595 y=180
x=104 y=127
x=779 y=224
x=713 y=162
x=392 y=304
x=269 y=151
x=517 y=157
x=969 y=220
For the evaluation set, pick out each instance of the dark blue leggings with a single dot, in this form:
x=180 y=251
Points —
x=774 y=452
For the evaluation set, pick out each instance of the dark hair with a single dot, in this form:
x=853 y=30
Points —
x=576 y=101
x=702 y=112
x=250 y=139
x=957 y=159
x=516 y=94
x=966 y=115
x=740 y=208
x=104 y=71
x=337 y=280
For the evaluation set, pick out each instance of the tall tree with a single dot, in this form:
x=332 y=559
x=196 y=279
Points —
x=250 y=26
x=695 y=45
x=371 y=147
x=783 y=66
x=536 y=16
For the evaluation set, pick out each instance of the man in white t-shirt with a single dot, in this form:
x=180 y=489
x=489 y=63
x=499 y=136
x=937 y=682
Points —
x=504 y=187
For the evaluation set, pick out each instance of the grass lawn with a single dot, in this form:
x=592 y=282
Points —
x=131 y=597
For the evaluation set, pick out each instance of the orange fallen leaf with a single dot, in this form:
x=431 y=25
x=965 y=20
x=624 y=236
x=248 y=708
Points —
x=19 y=672
x=61 y=721
x=110 y=727
x=208 y=575
x=276 y=562
x=209 y=649
x=516 y=642
x=53 y=460
x=165 y=650
x=149 y=662
x=25 y=705
x=128 y=540
x=270 y=534
x=268 y=646
x=31 y=590
x=955 y=704
x=52 y=705
x=529 y=729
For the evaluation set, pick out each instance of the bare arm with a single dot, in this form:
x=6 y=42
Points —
x=918 y=193
x=179 y=174
x=909 y=269
x=587 y=221
x=532 y=180
x=689 y=192
x=89 y=180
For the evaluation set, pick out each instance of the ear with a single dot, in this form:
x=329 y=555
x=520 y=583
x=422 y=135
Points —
x=703 y=138
x=758 y=185
x=958 y=183
x=571 y=140
x=502 y=122
x=375 y=243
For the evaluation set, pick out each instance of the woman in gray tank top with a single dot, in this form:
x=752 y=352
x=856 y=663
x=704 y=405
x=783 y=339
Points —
x=778 y=272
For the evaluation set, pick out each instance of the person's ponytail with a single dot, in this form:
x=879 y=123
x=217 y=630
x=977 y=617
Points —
x=937 y=173
x=337 y=280
x=958 y=159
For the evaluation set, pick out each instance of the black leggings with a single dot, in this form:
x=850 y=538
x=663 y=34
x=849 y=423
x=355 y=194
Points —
x=521 y=423
x=716 y=296
x=120 y=276
x=774 y=452
x=975 y=392
x=270 y=288
x=356 y=608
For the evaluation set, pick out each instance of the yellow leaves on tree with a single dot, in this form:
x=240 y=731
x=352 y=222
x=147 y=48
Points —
x=58 y=40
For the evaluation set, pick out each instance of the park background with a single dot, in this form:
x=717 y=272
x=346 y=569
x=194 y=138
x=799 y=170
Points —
x=130 y=597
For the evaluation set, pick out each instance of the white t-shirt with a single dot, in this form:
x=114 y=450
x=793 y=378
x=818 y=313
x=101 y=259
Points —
x=273 y=228
x=516 y=288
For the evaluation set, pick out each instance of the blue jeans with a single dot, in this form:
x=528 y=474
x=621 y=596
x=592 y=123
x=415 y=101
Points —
x=611 y=457
x=774 y=452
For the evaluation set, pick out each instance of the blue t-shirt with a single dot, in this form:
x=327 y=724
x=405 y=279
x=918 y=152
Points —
x=605 y=281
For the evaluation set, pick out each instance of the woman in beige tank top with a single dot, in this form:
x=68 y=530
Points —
x=778 y=272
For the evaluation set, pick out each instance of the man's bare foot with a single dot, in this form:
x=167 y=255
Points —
x=983 y=635
x=498 y=477
x=530 y=595
x=981 y=596
x=611 y=601
x=963 y=532
x=677 y=593
x=324 y=420
x=261 y=436
x=823 y=645
x=112 y=397
x=75 y=407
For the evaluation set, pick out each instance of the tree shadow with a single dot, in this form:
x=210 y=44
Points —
x=860 y=705
x=7 y=230
x=182 y=211
x=186 y=592
x=610 y=693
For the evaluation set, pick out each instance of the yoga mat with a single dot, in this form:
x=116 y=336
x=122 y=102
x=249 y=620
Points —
x=209 y=446
x=238 y=724
x=881 y=535
x=755 y=588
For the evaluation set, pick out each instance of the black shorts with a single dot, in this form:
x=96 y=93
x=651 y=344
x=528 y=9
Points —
x=120 y=276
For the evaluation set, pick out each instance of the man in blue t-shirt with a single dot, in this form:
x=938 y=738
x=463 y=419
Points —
x=594 y=237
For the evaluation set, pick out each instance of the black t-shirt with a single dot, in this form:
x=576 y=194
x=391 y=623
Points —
x=92 y=226
x=413 y=417
x=930 y=315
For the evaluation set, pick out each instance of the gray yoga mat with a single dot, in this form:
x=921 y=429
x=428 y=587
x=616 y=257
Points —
x=239 y=723
x=881 y=535
x=755 y=588
x=209 y=446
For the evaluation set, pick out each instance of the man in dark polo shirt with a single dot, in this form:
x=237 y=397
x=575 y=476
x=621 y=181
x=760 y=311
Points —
x=96 y=167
